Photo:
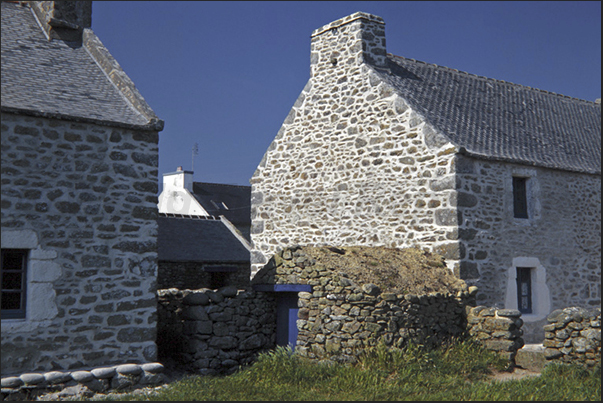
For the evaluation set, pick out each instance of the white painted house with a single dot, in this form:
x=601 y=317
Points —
x=177 y=197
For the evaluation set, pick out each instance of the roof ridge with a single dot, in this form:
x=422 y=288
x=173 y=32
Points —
x=492 y=79
x=222 y=184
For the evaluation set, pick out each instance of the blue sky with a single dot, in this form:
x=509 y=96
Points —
x=225 y=74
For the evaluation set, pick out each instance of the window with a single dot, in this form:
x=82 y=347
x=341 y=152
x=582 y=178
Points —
x=219 y=275
x=13 y=278
x=520 y=197
x=524 y=289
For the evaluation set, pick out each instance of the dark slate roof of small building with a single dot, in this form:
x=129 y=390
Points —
x=494 y=119
x=198 y=240
x=236 y=199
x=58 y=78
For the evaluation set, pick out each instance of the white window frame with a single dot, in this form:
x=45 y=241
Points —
x=541 y=299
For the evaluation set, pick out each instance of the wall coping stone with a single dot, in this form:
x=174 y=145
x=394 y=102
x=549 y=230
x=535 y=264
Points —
x=57 y=380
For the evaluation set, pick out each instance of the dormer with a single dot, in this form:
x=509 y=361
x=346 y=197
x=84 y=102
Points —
x=177 y=195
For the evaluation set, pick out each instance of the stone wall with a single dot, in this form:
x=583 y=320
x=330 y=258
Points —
x=496 y=329
x=83 y=199
x=573 y=335
x=353 y=164
x=561 y=239
x=214 y=331
x=339 y=318
x=192 y=275
x=82 y=383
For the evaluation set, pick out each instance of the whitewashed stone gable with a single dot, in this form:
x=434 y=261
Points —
x=353 y=164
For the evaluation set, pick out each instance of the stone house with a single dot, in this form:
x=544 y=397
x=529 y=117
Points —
x=203 y=231
x=181 y=196
x=200 y=252
x=79 y=195
x=501 y=179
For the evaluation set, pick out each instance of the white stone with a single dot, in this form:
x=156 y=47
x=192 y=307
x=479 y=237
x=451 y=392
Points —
x=19 y=239
x=44 y=271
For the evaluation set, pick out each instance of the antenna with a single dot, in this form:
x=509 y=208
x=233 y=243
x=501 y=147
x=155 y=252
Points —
x=195 y=152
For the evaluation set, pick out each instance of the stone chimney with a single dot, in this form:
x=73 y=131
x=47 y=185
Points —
x=350 y=41
x=63 y=20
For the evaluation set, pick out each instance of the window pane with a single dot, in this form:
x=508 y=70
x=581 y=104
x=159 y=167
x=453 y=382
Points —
x=11 y=300
x=14 y=270
x=12 y=261
x=520 y=200
x=11 y=281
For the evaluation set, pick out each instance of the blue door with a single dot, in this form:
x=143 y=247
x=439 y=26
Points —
x=286 y=319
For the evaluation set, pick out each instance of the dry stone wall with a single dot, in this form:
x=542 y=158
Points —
x=496 y=329
x=214 y=331
x=82 y=198
x=573 y=335
x=82 y=383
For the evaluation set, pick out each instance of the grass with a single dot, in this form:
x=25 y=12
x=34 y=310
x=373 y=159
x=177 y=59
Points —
x=459 y=371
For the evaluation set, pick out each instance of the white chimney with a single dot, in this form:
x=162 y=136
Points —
x=177 y=195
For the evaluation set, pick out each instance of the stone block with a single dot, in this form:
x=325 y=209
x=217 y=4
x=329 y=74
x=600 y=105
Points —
x=11 y=382
x=82 y=376
x=194 y=312
x=128 y=369
x=371 y=289
x=56 y=377
x=103 y=372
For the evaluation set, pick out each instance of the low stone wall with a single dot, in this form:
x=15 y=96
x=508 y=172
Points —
x=82 y=383
x=573 y=335
x=214 y=331
x=339 y=319
x=496 y=329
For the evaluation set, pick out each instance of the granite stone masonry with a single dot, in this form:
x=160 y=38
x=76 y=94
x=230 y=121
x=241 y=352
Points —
x=496 y=329
x=381 y=150
x=213 y=332
x=78 y=197
x=82 y=383
x=561 y=245
x=353 y=164
x=573 y=335
x=72 y=193
x=339 y=318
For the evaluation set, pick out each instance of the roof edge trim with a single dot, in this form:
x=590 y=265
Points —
x=151 y=126
x=119 y=78
x=464 y=151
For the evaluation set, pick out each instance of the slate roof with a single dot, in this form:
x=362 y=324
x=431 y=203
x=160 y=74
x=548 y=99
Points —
x=237 y=199
x=198 y=240
x=494 y=119
x=60 y=79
